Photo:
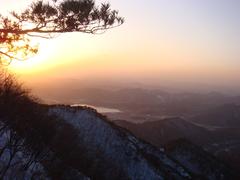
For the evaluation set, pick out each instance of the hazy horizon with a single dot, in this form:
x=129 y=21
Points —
x=180 y=44
x=150 y=91
x=63 y=86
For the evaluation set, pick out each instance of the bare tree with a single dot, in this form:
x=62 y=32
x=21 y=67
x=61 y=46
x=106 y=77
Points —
x=46 y=18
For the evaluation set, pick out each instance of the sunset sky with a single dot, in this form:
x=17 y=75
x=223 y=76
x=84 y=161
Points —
x=161 y=41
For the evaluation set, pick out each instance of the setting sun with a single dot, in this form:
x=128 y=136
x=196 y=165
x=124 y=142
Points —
x=35 y=63
x=119 y=89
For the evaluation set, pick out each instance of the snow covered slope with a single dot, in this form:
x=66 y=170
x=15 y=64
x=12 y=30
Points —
x=15 y=159
x=87 y=146
x=113 y=152
x=199 y=162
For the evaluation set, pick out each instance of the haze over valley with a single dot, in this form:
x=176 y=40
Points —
x=140 y=90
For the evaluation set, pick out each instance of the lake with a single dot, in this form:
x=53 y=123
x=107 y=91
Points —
x=99 y=109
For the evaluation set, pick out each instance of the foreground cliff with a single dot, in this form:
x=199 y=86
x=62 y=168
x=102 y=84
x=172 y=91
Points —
x=113 y=153
x=83 y=144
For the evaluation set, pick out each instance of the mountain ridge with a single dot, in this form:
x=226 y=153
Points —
x=98 y=149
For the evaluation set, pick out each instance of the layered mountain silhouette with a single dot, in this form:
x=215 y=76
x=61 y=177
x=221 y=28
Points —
x=85 y=145
x=215 y=130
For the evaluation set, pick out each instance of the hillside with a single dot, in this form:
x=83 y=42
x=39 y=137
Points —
x=103 y=150
x=162 y=131
x=62 y=142
x=195 y=159
x=227 y=116
x=221 y=140
x=116 y=153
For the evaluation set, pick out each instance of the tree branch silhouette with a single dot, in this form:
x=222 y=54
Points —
x=43 y=19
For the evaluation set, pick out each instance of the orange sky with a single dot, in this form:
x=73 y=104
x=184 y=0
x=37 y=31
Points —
x=165 y=39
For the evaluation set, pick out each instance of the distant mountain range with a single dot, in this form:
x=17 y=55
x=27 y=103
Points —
x=166 y=130
x=39 y=141
x=217 y=130
x=227 y=116
x=101 y=150
x=138 y=104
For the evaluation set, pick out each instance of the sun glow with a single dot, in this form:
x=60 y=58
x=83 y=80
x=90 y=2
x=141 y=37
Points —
x=37 y=62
